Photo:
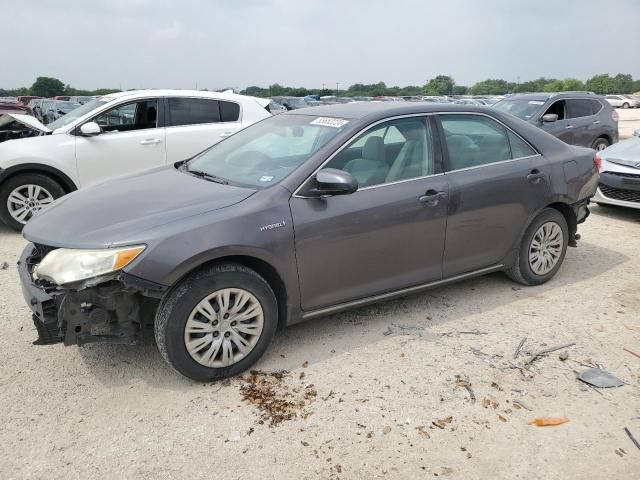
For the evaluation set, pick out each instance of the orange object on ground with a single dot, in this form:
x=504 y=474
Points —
x=548 y=421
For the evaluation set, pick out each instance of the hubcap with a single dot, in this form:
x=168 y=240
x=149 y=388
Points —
x=545 y=248
x=24 y=201
x=601 y=146
x=224 y=327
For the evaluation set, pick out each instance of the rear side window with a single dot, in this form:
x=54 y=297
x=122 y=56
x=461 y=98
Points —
x=474 y=140
x=596 y=106
x=519 y=148
x=229 y=111
x=578 y=107
x=192 y=111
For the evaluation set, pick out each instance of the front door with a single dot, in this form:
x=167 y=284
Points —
x=130 y=141
x=496 y=182
x=387 y=235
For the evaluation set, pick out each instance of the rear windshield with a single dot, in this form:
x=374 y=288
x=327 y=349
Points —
x=266 y=152
x=524 y=109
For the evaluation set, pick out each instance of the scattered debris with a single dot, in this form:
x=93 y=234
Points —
x=564 y=356
x=4 y=266
x=631 y=352
x=519 y=403
x=386 y=430
x=403 y=329
x=304 y=444
x=423 y=431
x=548 y=421
x=600 y=378
x=633 y=439
x=547 y=351
x=497 y=387
x=463 y=381
x=519 y=347
x=620 y=452
x=502 y=419
x=305 y=364
x=276 y=400
x=490 y=401
x=474 y=332
x=443 y=422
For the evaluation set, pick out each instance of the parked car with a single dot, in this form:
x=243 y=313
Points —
x=25 y=99
x=9 y=107
x=634 y=102
x=576 y=118
x=290 y=103
x=620 y=174
x=56 y=109
x=305 y=214
x=112 y=136
x=17 y=124
x=469 y=101
x=619 y=101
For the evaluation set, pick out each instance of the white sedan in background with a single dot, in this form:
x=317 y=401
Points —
x=111 y=136
x=621 y=101
x=620 y=174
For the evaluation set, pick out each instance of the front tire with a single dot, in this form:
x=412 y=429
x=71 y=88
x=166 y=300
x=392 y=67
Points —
x=24 y=195
x=625 y=105
x=217 y=322
x=600 y=144
x=542 y=249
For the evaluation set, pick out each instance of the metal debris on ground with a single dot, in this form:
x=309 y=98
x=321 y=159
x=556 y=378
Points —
x=4 y=266
x=631 y=352
x=276 y=400
x=519 y=347
x=443 y=422
x=547 y=351
x=548 y=421
x=600 y=378
x=519 y=404
x=633 y=439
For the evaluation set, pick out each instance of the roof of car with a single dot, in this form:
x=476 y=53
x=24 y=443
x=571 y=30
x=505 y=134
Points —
x=362 y=110
x=172 y=93
x=547 y=95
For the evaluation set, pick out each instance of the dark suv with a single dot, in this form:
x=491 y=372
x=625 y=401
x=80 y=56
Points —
x=299 y=216
x=578 y=118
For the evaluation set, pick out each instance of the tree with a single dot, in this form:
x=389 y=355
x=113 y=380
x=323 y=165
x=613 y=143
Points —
x=47 y=87
x=492 y=86
x=574 y=84
x=440 y=85
x=460 y=90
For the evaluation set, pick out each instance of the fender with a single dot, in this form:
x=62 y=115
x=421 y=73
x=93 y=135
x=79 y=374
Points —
x=67 y=184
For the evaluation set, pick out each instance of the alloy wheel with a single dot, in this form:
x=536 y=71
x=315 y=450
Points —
x=224 y=327
x=545 y=248
x=26 y=200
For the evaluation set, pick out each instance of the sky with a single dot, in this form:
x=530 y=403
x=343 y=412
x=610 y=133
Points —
x=236 y=43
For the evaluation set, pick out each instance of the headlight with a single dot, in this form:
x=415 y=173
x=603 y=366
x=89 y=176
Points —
x=65 y=265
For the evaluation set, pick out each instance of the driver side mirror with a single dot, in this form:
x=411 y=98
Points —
x=549 y=118
x=90 y=129
x=331 y=181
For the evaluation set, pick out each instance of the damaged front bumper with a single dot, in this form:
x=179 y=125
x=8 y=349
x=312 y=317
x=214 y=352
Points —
x=116 y=310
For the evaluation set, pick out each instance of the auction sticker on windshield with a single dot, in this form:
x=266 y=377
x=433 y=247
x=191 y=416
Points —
x=535 y=102
x=329 y=122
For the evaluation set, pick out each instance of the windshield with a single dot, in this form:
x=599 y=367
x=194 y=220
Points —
x=66 y=105
x=524 y=109
x=76 y=113
x=266 y=152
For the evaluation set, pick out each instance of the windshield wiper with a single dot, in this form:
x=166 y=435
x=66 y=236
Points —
x=207 y=176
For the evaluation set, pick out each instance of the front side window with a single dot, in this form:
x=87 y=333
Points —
x=193 y=111
x=557 y=108
x=129 y=116
x=474 y=140
x=579 y=108
x=268 y=151
x=390 y=152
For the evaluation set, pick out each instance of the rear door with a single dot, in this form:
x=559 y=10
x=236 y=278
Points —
x=194 y=124
x=387 y=235
x=584 y=124
x=131 y=141
x=496 y=181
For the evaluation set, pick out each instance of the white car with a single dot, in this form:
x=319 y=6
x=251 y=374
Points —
x=111 y=136
x=620 y=174
x=620 y=101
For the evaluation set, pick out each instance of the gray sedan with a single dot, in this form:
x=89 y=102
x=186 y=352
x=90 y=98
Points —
x=299 y=216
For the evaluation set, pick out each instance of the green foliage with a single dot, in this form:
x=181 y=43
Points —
x=621 y=83
x=492 y=87
x=47 y=87
x=440 y=85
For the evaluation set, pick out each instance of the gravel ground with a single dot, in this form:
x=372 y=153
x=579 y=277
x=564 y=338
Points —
x=379 y=392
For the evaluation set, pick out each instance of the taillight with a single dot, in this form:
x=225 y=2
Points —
x=597 y=162
x=614 y=115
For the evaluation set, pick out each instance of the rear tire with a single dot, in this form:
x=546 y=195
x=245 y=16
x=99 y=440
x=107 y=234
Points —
x=600 y=143
x=203 y=334
x=34 y=191
x=625 y=105
x=542 y=249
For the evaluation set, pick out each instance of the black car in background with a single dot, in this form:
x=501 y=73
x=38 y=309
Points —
x=577 y=118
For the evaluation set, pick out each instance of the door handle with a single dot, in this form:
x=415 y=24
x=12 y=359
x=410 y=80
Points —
x=226 y=134
x=535 y=176
x=431 y=198
x=596 y=122
x=569 y=127
x=150 y=141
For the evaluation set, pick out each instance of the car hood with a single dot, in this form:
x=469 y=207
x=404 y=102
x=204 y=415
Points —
x=29 y=121
x=626 y=153
x=113 y=212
